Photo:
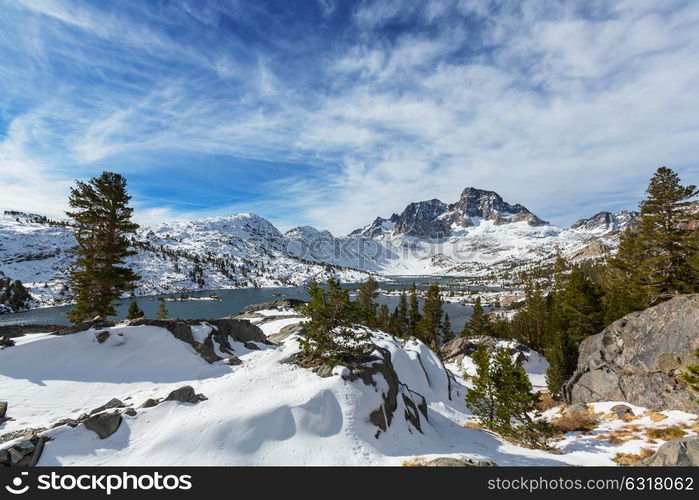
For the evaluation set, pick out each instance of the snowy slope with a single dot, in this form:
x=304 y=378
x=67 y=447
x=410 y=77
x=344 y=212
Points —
x=479 y=234
x=309 y=419
x=224 y=252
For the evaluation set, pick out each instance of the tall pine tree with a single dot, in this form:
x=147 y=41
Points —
x=658 y=259
x=366 y=307
x=402 y=315
x=414 y=315
x=430 y=325
x=101 y=222
x=134 y=311
x=692 y=375
x=447 y=332
x=478 y=324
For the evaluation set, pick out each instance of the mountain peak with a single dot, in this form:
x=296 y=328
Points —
x=606 y=222
x=435 y=219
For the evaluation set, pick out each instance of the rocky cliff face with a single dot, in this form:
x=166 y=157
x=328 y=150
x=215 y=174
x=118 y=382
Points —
x=435 y=219
x=606 y=222
x=640 y=358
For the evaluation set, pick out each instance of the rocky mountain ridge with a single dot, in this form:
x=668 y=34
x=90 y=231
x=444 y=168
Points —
x=480 y=233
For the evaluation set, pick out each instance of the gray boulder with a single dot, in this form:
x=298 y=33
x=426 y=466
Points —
x=280 y=304
x=641 y=358
x=103 y=424
x=286 y=332
x=622 y=411
x=459 y=462
x=682 y=452
x=113 y=403
x=185 y=394
x=26 y=453
x=224 y=330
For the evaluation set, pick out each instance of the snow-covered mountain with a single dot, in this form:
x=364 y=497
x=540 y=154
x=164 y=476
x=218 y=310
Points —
x=482 y=233
x=478 y=234
x=435 y=219
x=243 y=250
x=606 y=222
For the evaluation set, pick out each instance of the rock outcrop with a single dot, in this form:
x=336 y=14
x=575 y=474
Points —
x=641 y=358
x=223 y=330
x=682 y=452
x=456 y=349
x=281 y=305
x=25 y=453
x=459 y=462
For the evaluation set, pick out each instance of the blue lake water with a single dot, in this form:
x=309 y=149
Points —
x=232 y=301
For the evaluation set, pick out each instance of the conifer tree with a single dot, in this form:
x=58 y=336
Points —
x=503 y=400
x=134 y=311
x=447 y=332
x=403 y=317
x=481 y=399
x=101 y=221
x=162 y=310
x=414 y=315
x=383 y=318
x=563 y=359
x=580 y=303
x=330 y=336
x=394 y=326
x=692 y=375
x=478 y=324
x=366 y=307
x=658 y=258
x=430 y=325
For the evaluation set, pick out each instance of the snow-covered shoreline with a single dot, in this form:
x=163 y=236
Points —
x=311 y=420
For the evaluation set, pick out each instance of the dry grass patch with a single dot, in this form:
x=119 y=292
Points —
x=621 y=435
x=416 y=462
x=666 y=433
x=472 y=425
x=546 y=401
x=655 y=416
x=631 y=458
x=576 y=421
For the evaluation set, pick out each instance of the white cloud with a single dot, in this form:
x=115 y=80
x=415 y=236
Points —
x=566 y=113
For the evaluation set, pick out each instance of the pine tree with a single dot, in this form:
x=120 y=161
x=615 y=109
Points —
x=503 y=400
x=366 y=307
x=134 y=311
x=330 y=336
x=478 y=324
x=692 y=375
x=101 y=221
x=447 y=332
x=659 y=257
x=394 y=326
x=430 y=325
x=162 y=310
x=414 y=315
x=481 y=398
x=403 y=317
x=563 y=358
x=581 y=311
x=383 y=318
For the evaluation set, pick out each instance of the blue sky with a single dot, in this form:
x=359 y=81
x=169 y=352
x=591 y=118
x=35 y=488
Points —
x=329 y=113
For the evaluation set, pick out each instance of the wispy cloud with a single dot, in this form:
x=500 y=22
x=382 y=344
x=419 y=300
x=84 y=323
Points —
x=332 y=113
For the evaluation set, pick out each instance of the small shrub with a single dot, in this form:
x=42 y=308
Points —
x=631 y=458
x=655 y=416
x=666 y=433
x=576 y=421
x=415 y=462
x=546 y=401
